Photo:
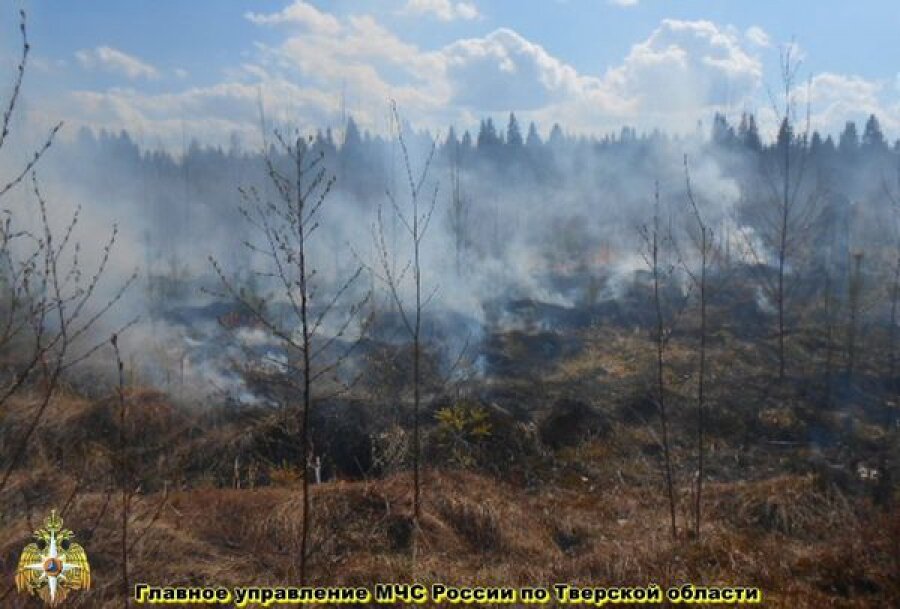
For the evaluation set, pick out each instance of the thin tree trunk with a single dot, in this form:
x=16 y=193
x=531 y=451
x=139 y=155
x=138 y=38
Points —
x=782 y=255
x=124 y=478
x=705 y=248
x=416 y=226
x=895 y=295
x=304 y=321
x=785 y=219
x=660 y=372
x=700 y=383
x=417 y=481
x=829 y=338
x=853 y=329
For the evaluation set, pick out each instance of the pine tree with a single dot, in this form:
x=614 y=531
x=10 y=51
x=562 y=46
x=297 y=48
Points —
x=722 y=132
x=748 y=133
x=785 y=137
x=815 y=145
x=352 y=137
x=557 y=139
x=513 y=133
x=848 y=144
x=451 y=142
x=873 y=138
x=533 y=140
x=465 y=145
x=487 y=135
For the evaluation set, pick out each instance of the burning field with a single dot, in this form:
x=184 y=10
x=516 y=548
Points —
x=376 y=355
x=544 y=466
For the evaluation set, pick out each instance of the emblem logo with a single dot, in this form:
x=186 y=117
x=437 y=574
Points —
x=53 y=564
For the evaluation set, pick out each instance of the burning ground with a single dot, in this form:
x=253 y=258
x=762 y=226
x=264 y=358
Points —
x=543 y=466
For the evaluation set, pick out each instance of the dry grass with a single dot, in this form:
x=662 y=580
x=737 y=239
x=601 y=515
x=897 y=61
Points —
x=592 y=513
x=803 y=546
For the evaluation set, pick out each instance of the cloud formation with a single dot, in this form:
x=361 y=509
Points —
x=688 y=65
x=116 y=61
x=681 y=73
x=758 y=36
x=839 y=98
x=299 y=13
x=504 y=71
x=445 y=10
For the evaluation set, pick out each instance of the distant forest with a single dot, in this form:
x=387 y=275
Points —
x=361 y=160
x=565 y=194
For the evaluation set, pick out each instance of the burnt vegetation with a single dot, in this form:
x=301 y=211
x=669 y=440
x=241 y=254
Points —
x=686 y=372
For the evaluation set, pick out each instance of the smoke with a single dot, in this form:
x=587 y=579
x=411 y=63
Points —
x=519 y=232
x=554 y=223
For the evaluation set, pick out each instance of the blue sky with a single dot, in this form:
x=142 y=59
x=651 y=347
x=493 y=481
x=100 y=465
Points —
x=162 y=68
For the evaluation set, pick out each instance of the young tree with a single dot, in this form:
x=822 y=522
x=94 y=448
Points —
x=785 y=216
x=704 y=244
x=48 y=304
x=657 y=245
x=415 y=219
x=285 y=225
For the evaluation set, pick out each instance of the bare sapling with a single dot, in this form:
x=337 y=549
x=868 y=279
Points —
x=49 y=305
x=704 y=244
x=657 y=245
x=285 y=223
x=415 y=218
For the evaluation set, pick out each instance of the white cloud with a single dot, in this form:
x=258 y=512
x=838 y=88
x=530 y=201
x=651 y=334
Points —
x=114 y=60
x=758 y=36
x=685 y=68
x=209 y=113
x=682 y=72
x=299 y=13
x=837 y=98
x=852 y=90
x=369 y=63
x=445 y=10
x=833 y=99
x=624 y=2
x=504 y=71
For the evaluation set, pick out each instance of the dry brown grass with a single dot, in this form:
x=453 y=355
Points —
x=593 y=513
x=803 y=546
